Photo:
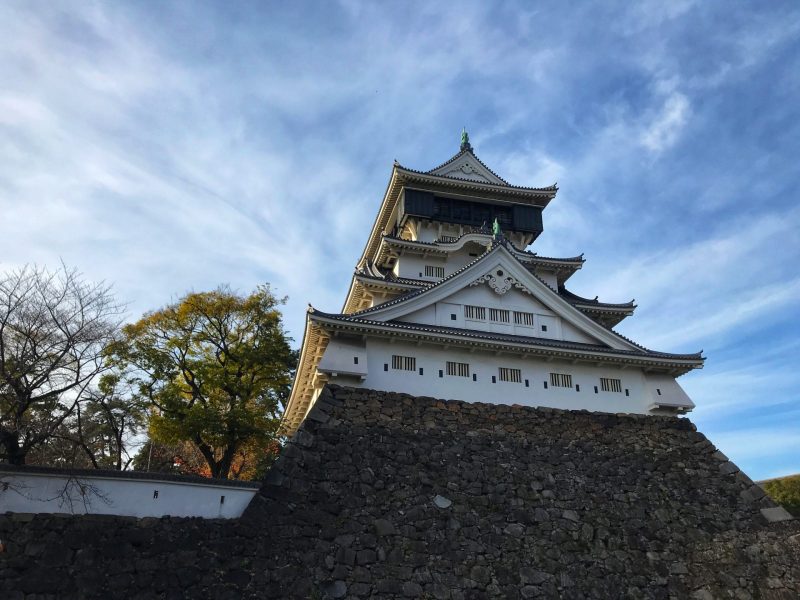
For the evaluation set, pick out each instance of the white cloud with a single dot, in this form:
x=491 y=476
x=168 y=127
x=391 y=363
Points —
x=666 y=125
x=167 y=159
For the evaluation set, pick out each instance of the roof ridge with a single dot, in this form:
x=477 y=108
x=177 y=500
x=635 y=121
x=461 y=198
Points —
x=562 y=290
x=423 y=289
x=549 y=188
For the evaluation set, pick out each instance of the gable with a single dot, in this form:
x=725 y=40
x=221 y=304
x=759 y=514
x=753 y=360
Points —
x=501 y=282
x=515 y=312
x=467 y=167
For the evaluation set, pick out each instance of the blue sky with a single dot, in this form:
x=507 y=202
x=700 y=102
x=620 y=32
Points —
x=168 y=147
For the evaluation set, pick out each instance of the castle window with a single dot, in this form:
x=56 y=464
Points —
x=404 y=363
x=610 y=385
x=431 y=271
x=544 y=327
x=458 y=369
x=512 y=375
x=560 y=380
x=498 y=315
x=523 y=318
x=477 y=313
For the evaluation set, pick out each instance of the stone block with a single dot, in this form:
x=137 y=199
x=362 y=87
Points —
x=776 y=514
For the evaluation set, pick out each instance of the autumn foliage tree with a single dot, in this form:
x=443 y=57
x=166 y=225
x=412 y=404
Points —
x=215 y=368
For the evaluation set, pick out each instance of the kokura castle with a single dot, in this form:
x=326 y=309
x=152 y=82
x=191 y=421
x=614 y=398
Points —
x=447 y=301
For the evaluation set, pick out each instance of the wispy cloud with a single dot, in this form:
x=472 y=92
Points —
x=255 y=146
x=667 y=123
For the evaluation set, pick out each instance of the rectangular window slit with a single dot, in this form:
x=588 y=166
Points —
x=420 y=371
x=577 y=387
x=222 y=499
x=527 y=383
x=441 y=373
x=499 y=315
x=404 y=363
x=659 y=391
x=431 y=271
x=627 y=392
x=595 y=389
x=458 y=369
x=512 y=375
x=474 y=377
x=477 y=313
x=523 y=318
x=544 y=327
x=355 y=360
x=155 y=493
x=545 y=384
x=610 y=385
x=560 y=380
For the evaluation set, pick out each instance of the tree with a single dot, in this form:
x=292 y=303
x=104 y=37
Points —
x=251 y=461
x=53 y=328
x=785 y=491
x=216 y=368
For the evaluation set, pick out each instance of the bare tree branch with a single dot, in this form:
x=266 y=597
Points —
x=54 y=327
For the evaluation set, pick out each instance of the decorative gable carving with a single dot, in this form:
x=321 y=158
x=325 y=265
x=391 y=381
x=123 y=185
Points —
x=500 y=282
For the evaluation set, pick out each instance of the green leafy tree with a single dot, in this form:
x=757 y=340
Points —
x=785 y=491
x=215 y=367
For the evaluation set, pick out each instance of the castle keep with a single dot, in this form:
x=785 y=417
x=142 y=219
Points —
x=447 y=300
x=531 y=483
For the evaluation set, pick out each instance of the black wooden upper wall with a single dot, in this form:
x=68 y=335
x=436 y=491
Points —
x=515 y=217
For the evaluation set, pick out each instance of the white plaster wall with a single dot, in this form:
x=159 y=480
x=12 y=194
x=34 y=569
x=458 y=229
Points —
x=413 y=266
x=344 y=356
x=432 y=358
x=468 y=253
x=549 y=277
x=42 y=493
x=482 y=295
x=665 y=391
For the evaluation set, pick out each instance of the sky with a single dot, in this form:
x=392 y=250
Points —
x=167 y=147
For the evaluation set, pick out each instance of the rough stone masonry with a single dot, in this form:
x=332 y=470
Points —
x=383 y=495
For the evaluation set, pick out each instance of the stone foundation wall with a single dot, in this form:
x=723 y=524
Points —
x=388 y=496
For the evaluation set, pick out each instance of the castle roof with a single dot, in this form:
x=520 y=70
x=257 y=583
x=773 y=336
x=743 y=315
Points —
x=481 y=182
x=572 y=349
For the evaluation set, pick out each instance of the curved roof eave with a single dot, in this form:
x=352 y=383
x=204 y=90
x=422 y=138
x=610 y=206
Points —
x=521 y=341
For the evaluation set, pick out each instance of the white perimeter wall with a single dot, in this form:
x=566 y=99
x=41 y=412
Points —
x=51 y=493
x=643 y=389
